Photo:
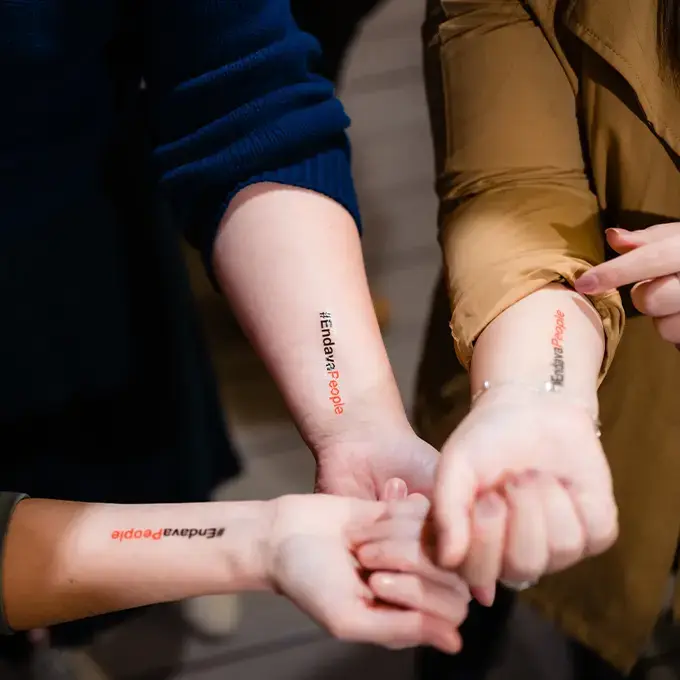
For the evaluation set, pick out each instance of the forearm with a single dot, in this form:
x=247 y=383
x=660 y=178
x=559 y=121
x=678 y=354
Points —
x=64 y=561
x=290 y=263
x=553 y=335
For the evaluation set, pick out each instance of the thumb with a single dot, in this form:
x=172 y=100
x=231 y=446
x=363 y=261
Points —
x=454 y=497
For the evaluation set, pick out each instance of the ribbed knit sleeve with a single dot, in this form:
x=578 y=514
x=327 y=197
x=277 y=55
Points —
x=233 y=103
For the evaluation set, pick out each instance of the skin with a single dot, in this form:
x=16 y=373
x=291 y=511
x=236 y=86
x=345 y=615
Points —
x=65 y=561
x=523 y=487
x=650 y=259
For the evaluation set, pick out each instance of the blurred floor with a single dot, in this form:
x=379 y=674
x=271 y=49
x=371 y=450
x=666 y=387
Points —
x=383 y=93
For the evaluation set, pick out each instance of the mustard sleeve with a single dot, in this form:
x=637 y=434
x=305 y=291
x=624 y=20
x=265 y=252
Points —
x=516 y=209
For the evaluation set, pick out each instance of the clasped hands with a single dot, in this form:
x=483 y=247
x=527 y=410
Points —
x=521 y=489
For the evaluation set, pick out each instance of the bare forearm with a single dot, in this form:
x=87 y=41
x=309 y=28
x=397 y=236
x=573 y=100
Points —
x=552 y=336
x=290 y=262
x=65 y=561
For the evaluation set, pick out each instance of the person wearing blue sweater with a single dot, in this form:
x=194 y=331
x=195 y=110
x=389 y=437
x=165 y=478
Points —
x=123 y=125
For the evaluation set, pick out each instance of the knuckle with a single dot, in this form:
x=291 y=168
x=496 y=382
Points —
x=604 y=540
x=371 y=555
x=460 y=611
x=522 y=569
x=565 y=555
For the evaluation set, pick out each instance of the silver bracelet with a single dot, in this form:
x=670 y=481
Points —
x=548 y=387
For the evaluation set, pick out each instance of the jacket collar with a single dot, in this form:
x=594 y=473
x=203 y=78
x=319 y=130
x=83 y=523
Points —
x=623 y=33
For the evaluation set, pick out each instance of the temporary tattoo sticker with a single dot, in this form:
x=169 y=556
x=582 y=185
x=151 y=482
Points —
x=330 y=362
x=557 y=377
x=158 y=534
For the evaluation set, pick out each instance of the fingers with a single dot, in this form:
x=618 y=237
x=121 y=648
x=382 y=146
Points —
x=659 y=297
x=668 y=328
x=565 y=534
x=622 y=240
x=482 y=566
x=526 y=550
x=598 y=514
x=649 y=261
x=454 y=497
x=393 y=628
x=351 y=613
x=412 y=592
x=408 y=557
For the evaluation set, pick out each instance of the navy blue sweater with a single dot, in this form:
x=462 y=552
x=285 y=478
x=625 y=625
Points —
x=94 y=169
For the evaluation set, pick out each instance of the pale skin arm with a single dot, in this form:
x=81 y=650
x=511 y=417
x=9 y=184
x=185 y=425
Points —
x=62 y=562
x=65 y=561
x=283 y=256
x=546 y=496
x=517 y=347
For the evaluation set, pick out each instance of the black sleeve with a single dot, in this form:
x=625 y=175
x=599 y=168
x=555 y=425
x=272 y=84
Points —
x=8 y=502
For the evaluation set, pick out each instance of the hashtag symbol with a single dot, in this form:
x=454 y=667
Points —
x=325 y=315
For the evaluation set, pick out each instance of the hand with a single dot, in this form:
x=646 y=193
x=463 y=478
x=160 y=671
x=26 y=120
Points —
x=651 y=259
x=310 y=559
x=361 y=467
x=535 y=466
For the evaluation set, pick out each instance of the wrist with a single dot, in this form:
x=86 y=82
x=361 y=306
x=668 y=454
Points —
x=373 y=414
x=246 y=545
x=521 y=390
x=521 y=393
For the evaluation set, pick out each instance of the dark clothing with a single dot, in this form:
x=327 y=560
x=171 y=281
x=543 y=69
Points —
x=334 y=25
x=106 y=391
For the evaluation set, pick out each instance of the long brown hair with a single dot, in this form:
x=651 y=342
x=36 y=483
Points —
x=668 y=37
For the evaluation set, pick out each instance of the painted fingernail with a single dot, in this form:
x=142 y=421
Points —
x=588 y=283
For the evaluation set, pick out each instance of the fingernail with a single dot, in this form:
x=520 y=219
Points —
x=395 y=489
x=486 y=596
x=588 y=283
x=385 y=580
x=618 y=231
